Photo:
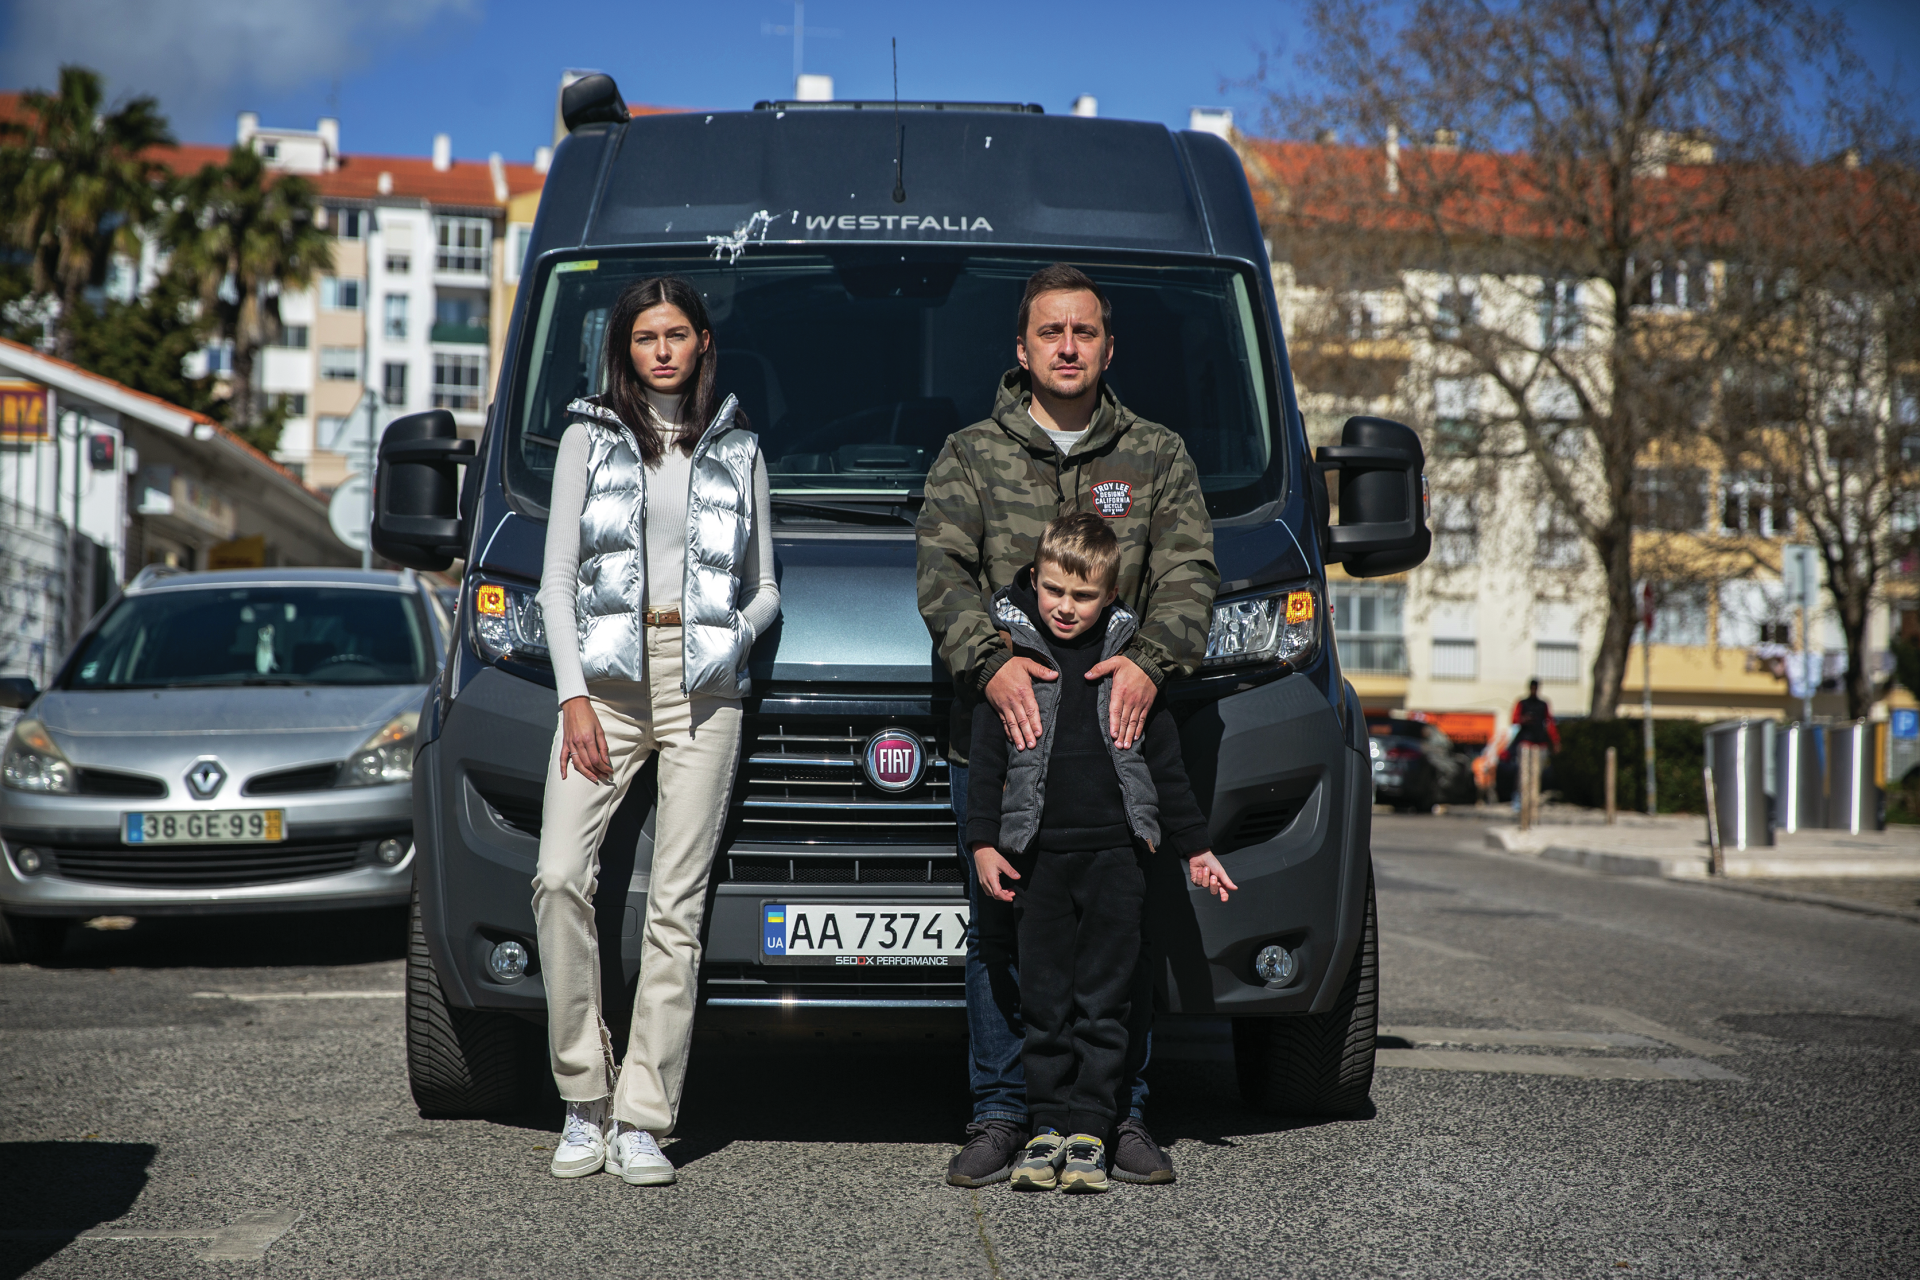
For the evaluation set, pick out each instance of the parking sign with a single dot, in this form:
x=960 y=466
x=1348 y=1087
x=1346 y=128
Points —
x=1906 y=723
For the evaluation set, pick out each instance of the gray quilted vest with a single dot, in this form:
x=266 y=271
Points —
x=1026 y=793
x=613 y=554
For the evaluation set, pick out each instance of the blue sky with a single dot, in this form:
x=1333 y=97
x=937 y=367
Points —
x=485 y=71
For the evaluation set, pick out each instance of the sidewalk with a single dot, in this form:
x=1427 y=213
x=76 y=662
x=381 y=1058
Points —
x=1676 y=848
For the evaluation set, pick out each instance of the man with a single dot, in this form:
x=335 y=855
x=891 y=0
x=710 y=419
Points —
x=1058 y=441
x=1533 y=727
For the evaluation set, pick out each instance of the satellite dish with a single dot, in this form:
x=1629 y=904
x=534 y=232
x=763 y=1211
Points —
x=347 y=512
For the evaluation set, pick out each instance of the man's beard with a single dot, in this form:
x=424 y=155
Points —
x=1047 y=384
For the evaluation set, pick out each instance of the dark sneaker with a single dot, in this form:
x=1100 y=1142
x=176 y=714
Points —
x=992 y=1148
x=1039 y=1167
x=1085 y=1170
x=1138 y=1158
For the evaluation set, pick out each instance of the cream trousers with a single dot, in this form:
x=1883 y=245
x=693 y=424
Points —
x=699 y=744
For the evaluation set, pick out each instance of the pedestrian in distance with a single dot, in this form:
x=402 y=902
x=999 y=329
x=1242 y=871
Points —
x=1061 y=830
x=657 y=580
x=1058 y=442
x=1533 y=726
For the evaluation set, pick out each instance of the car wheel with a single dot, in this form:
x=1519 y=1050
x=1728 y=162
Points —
x=1316 y=1064
x=32 y=939
x=460 y=1062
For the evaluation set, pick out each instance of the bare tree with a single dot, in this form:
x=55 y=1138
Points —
x=1546 y=186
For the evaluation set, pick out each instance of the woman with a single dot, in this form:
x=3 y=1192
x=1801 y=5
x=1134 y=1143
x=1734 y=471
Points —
x=659 y=508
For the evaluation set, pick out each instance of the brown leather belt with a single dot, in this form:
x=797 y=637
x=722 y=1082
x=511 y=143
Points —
x=660 y=617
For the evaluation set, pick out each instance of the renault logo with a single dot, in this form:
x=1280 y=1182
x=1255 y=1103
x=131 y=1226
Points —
x=205 y=777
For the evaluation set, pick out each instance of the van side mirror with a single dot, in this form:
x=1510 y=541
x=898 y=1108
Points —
x=416 y=516
x=1383 y=498
x=17 y=692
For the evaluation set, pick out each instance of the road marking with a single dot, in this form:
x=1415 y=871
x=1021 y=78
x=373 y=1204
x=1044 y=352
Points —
x=1438 y=948
x=255 y=996
x=1542 y=1039
x=1648 y=1027
x=1528 y=1064
x=242 y=1240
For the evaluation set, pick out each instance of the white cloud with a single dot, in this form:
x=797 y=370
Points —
x=202 y=58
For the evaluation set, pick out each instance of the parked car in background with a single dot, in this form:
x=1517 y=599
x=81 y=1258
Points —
x=1415 y=766
x=237 y=741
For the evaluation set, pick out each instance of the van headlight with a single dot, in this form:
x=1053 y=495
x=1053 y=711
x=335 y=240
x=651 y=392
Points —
x=385 y=757
x=34 y=763
x=507 y=623
x=1280 y=626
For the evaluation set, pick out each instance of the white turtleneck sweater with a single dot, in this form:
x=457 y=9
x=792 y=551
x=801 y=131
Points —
x=666 y=532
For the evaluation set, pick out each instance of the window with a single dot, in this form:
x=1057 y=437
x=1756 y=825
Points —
x=456 y=309
x=1559 y=314
x=460 y=244
x=399 y=264
x=327 y=432
x=1753 y=503
x=293 y=337
x=1456 y=424
x=269 y=151
x=1681 y=282
x=294 y=403
x=1455 y=659
x=1556 y=662
x=1680 y=615
x=396 y=316
x=339 y=293
x=1454 y=312
x=219 y=357
x=1670 y=498
x=1368 y=627
x=393 y=385
x=1752 y=613
x=1456 y=529
x=456 y=382
x=1557 y=543
x=353 y=223
x=519 y=245
x=340 y=364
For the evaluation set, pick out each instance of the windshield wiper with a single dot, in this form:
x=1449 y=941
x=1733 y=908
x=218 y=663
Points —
x=889 y=514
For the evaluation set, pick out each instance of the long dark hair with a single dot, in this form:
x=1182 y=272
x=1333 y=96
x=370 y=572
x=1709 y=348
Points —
x=626 y=393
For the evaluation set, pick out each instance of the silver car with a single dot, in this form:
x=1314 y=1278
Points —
x=238 y=741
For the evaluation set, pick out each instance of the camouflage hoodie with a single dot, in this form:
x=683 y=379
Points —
x=992 y=491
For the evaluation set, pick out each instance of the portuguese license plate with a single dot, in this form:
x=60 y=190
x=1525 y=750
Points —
x=221 y=826
x=869 y=933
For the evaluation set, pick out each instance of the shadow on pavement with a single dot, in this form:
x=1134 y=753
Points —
x=50 y=1192
x=240 y=942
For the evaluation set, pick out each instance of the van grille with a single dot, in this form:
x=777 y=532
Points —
x=802 y=783
x=762 y=867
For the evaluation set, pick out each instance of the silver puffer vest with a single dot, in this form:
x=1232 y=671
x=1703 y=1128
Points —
x=613 y=554
x=1026 y=793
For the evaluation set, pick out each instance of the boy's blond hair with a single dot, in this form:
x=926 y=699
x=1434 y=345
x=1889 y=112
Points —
x=1084 y=546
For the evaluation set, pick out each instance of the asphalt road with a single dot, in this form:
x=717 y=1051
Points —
x=148 y=1128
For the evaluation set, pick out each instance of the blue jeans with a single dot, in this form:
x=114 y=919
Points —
x=995 y=1035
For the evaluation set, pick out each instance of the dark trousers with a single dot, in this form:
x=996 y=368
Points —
x=994 y=1034
x=1079 y=931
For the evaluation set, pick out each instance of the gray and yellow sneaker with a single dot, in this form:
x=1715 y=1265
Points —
x=1085 y=1170
x=1039 y=1167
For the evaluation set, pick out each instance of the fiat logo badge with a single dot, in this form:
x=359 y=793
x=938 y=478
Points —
x=894 y=759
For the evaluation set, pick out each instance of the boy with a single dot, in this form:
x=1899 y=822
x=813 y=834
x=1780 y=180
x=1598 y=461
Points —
x=1070 y=822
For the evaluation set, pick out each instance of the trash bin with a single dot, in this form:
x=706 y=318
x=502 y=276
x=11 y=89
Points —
x=1853 y=794
x=1737 y=754
x=1800 y=777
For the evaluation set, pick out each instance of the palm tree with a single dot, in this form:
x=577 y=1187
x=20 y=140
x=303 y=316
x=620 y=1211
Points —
x=81 y=180
x=246 y=234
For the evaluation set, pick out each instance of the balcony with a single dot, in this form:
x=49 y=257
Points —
x=1372 y=655
x=474 y=335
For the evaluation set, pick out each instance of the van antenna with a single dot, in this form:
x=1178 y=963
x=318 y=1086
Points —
x=899 y=138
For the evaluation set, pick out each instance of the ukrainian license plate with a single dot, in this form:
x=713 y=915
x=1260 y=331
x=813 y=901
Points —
x=222 y=826
x=870 y=933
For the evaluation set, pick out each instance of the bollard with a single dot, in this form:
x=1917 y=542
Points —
x=1613 y=764
x=1716 y=860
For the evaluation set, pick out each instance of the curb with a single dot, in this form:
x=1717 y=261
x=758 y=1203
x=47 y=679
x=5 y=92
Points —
x=1811 y=899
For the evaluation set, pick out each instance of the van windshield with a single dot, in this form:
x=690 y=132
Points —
x=854 y=366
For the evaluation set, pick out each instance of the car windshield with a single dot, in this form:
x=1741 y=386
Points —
x=205 y=636
x=855 y=366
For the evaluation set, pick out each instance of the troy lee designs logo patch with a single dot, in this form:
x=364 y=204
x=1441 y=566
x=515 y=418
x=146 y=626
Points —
x=1113 y=498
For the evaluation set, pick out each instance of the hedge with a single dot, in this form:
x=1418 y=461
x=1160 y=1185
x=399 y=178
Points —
x=1679 y=756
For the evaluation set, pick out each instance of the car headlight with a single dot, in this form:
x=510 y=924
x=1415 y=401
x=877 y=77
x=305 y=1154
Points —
x=385 y=757
x=1281 y=626
x=34 y=763
x=507 y=623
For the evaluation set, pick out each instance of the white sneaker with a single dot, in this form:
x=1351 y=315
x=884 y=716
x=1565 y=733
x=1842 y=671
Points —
x=636 y=1157
x=583 y=1140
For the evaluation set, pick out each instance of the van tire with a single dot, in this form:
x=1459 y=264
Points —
x=460 y=1062
x=1316 y=1064
x=32 y=939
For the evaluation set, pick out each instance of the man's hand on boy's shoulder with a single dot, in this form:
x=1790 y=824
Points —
x=1131 y=700
x=990 y=866
x=1010 y=692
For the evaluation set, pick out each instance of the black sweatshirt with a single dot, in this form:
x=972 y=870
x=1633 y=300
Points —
x=1083 y=806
